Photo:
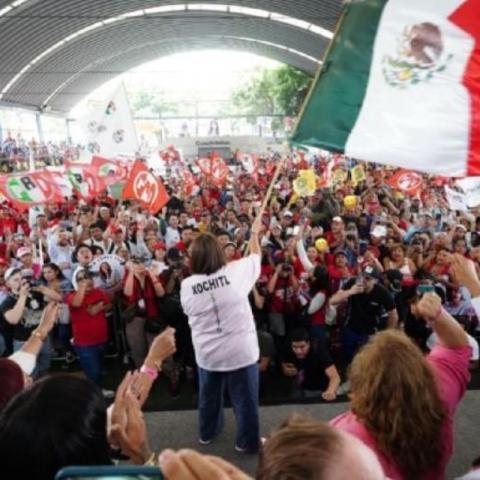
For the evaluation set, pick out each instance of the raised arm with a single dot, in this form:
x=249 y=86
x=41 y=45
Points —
x=449 y=331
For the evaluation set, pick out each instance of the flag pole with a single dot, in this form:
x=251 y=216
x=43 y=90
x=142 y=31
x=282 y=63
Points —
x=269 y=193
x=131 y=116
x=321 y=69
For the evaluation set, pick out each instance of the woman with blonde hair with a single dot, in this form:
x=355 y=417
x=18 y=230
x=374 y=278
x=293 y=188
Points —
x=402 y=403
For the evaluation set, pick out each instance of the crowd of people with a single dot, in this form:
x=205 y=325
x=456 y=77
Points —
x=358 y=288
x=20 y=155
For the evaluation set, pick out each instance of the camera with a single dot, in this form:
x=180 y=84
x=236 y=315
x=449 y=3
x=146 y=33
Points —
x=28 y=277
x=286 y=267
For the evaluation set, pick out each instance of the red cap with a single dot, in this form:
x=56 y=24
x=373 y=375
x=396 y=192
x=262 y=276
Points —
x=3 y=261
x=160 y=246
x=115 y=230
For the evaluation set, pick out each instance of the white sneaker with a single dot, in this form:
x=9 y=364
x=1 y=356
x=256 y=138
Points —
x=204 y=442
x=108 y=393
x=344 y=388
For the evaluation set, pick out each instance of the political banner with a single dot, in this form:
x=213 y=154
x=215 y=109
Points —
x=145 y=188
x=109 y=129
x=407 y=181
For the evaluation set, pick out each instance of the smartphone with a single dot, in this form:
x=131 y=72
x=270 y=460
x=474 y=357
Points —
x=295 y=230
x=422 y=289
x=128 y=472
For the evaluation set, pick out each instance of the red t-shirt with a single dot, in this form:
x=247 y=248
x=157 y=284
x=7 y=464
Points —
x=88 y=329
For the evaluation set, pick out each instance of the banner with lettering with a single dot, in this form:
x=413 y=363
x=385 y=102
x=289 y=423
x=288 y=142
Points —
x=27 y=190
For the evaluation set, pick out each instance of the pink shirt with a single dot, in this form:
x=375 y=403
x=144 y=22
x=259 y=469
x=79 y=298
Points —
x=452 y=375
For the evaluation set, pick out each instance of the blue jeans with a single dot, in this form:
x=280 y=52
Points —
x=242 y=387
x=44 y=357
x=352 y=342
x=90 y=358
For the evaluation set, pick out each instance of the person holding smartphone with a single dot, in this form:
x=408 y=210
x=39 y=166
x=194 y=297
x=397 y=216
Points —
x=88 y=306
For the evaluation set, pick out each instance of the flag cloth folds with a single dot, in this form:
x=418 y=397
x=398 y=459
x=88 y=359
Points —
x=145 y=188
x=400 y=85
x=109 y=128
x=29 y=189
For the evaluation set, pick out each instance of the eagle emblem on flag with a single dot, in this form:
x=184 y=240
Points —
x=420 y=55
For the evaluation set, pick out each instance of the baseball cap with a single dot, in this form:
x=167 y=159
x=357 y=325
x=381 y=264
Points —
x=22 y=251
x=337 y=219
x=3 y=261
x=341 y=252
x=287 y=213
x=370 y=271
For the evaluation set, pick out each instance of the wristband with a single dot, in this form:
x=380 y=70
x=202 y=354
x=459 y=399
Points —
x=151 y=372
x=37 y=334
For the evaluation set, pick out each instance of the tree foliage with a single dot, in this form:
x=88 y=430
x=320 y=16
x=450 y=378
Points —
x=147 y=103
x=273 y=92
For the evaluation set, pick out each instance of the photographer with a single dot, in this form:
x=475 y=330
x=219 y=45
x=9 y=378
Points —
x=141 y=288
x=172 y=312
x=284 y=306
x=89 y=324
x=367 y=300
x=23 y=309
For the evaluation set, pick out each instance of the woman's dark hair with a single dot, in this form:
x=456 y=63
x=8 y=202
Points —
x=207 y=255
x=55 y=268
x=320 y=279
x=58 y=421
x=11 y=379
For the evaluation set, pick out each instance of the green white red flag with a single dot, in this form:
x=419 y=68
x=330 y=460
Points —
x=401 y=86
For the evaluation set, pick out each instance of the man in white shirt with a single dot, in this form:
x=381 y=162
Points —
x=172 y=236
x=60 y=250
x=215 y=298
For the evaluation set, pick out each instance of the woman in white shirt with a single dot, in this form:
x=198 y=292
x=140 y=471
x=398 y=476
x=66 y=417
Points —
x=215 y=298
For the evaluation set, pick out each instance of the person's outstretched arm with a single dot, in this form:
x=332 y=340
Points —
x=449 y=331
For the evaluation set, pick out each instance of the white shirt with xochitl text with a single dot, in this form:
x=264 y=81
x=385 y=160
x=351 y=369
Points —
x=219 y=313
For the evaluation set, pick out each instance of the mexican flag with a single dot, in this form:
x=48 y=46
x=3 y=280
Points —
x=400 y=85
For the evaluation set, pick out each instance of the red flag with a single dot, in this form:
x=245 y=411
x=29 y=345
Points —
x=188 y=181
x=110 y=171
x=29 y=189
x=145 y=188
x=215 y=168
x=85 y=179
x=219 y=171
x=170 y=154
x=407 y=181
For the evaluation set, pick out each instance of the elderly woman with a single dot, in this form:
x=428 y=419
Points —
x=215 y=298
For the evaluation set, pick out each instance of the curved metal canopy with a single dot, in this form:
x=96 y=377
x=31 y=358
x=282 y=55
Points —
x=54 y=52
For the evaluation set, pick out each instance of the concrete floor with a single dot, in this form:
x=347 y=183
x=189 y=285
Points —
x=178 y=429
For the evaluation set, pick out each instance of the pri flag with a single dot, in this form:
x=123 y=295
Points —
x=25 y=191
x=407 y=181
x=84 y=179
x=109 y=171
x=109 y=129
x=145 y=188
x=401 y=85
